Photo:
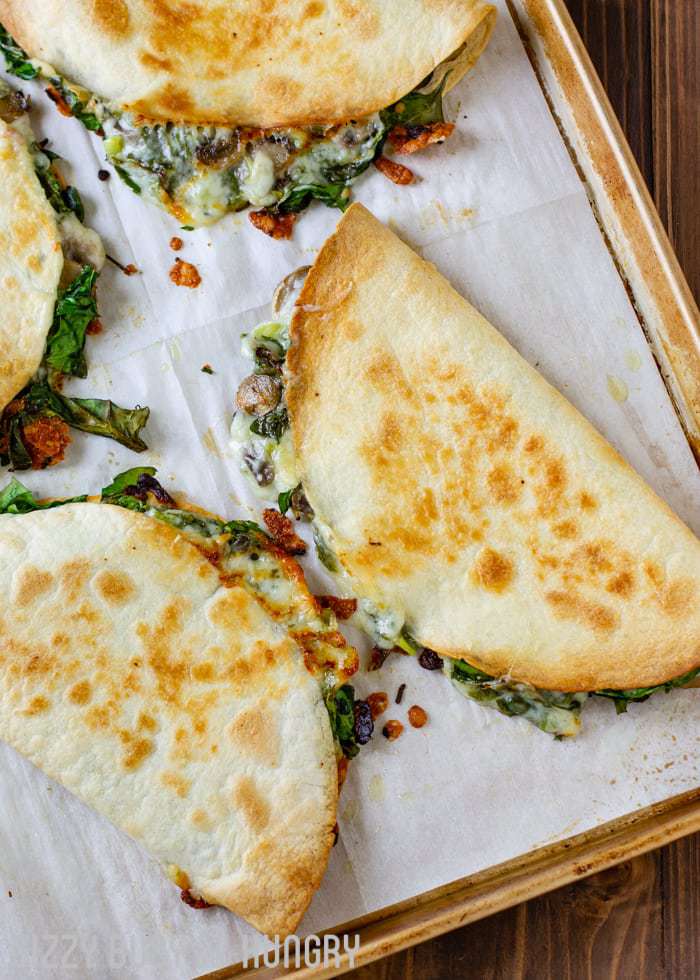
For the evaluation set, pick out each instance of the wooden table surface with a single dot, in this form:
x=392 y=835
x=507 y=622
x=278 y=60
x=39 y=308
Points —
x=641 y=919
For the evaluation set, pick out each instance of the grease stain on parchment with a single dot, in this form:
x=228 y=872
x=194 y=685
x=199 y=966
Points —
x=376 y=791
x=436 y=212
x=633 y=360
x=175 y=350
x=211 y=445
x=137 y=319
x=350 y=811
x=617 y=388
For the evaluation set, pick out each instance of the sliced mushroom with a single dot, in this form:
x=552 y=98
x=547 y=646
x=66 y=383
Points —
x=262 y=469
x=287 y=292
x=226 y=150
x=12 y=104
x=258 y=394
x=81 y=245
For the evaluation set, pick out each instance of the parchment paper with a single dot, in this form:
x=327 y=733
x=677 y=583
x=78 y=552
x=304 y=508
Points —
x=502 y=213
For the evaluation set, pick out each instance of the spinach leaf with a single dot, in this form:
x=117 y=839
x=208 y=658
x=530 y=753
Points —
x=335 y=192
x=245 y=535
x=73 y=201
x=416 y=109
x=62 y=199
x=554 y=712
x=127 y=178
x=126 y=479
x=13 y=453
x=132 y=491
x=296 y=499
x=351 y=719
x=77 y=106
x=272 y=425
x=96 y=415
x=133 y=488
x=333 y=187
x=345 y=173
x=75 y=310
x=623 y=699
x=17 y=499
x=185 y=520
x=324 y=552
x=284 y=500
x=463 y=671
x=17 y=61
x=332 y=195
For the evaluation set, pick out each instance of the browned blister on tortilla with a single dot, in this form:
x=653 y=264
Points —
x=31 y=261
x=465 y=493
x=170 y=700
x=282 y=63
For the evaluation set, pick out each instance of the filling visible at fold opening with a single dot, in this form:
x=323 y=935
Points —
x=261 y=439
x=199 y=173
x=34 y=425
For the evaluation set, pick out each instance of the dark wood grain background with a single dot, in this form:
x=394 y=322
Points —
x=640 y=920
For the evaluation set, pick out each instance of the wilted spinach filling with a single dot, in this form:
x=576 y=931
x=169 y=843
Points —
x=555 y=712
x=262 y=438
x=260 y=429
x=42 y=398
x=351 y=720
x=34 y=425
x=201 y=172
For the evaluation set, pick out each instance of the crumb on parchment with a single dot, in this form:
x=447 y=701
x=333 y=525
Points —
x=185 y=274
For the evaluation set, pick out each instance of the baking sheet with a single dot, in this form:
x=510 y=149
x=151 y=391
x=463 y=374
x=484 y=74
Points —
x=502 y=213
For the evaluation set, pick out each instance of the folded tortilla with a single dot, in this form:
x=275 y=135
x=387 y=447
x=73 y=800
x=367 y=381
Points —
x=464 y=497
x=142 y=670
x=292 y=63
x=31 y=262
x=49 y=262
x=226 y=106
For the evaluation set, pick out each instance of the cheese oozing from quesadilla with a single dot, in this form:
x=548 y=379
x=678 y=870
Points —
x=471 y=539
x=49 y=264
x=282 y=153
x=184 y=683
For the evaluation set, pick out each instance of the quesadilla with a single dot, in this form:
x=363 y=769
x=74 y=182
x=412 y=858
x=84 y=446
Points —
x=212 y=107
x=49 y=263
x=481 y=521
x=173 y=671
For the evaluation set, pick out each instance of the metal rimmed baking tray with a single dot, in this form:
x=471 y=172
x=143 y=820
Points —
x=535 y=211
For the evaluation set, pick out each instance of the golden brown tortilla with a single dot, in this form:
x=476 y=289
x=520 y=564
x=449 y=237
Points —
x=31 y=262
x=169 y=700
x=280 y=63
x=466 y=494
